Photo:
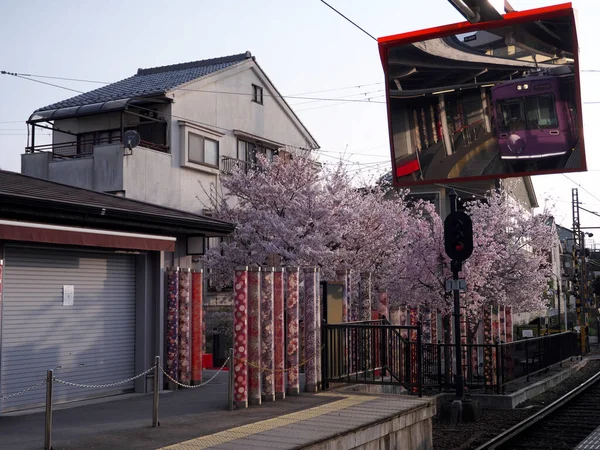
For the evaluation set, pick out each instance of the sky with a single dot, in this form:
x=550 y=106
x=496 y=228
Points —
x=303 y=46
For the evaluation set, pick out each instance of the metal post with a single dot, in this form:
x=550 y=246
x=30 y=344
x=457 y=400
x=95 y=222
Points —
x=559 y=301
x=527 y=358
x=231 y=366
x=419 y=361
x=457 y=340
x=439 y=357
x=48 y=427
x=155 y=392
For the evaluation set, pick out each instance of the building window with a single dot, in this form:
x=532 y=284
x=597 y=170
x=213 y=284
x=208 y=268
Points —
x=247 y=151
x=257 y=94
x=202 y=150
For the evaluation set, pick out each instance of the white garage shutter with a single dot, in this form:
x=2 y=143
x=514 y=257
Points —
x=93 y=341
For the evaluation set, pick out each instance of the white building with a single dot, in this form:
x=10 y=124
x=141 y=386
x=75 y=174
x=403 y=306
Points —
x=195 y=120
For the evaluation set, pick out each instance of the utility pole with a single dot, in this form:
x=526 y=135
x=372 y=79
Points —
x=578 y=255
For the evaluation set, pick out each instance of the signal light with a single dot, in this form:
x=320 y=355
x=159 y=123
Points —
x=458 y=236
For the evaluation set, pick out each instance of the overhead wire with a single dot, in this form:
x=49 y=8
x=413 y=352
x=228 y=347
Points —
x=582 y=188
x=353 y=23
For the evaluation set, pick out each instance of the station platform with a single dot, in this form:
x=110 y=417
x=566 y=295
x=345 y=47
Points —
x=349 y=422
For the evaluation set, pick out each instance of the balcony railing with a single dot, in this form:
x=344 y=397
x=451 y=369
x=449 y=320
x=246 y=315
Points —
x=228 y=165
x=81 y=148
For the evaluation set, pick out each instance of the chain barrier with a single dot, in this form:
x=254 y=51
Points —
x=266 y=369
x=30 y=388
x=187 y=386
x=93 y=386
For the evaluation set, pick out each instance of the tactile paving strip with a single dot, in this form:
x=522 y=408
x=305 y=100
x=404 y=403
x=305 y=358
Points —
x=270 y=424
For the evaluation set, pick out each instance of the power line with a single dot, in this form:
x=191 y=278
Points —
x=582 y=188
x=359 y=86
x=342 y=103
x=3 y=72
x=53 y=78
x=13 y=121
x=361 y=29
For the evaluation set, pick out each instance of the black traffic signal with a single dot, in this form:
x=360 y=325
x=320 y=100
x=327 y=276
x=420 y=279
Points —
x=458 y=236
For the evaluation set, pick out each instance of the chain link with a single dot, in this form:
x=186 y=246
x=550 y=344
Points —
x=6 y=397
x=92 y=386
x=266 y=369
x=198 y=385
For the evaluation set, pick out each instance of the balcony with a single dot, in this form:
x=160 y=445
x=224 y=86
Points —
x=228 y=165
x=85 y=147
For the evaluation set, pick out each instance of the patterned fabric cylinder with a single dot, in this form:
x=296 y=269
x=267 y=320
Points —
x=426 y=330
x=172 y=324
x=434 y=327
x=293 y=338
x=240 y=337
x=311 y=304
x=502 y=323
x=267 y=345
x=487 y=340
x=383 y=305
x=341 y=275
x=395 y=316
x=509 y=324
x=185 y=356
x=278 y=312
x=365 y=296
x=349 y=315
x=319 y=311
x=413 y=317
x=403 y=316
x=197 y=332
x=254 y=337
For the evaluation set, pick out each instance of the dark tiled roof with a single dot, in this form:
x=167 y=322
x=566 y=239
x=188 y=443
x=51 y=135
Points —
x=153 y=81
x=27 y=189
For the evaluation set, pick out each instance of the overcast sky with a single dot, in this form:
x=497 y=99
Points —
x=303 y=46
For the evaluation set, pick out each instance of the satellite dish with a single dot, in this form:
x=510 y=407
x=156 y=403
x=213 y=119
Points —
x=131 y=139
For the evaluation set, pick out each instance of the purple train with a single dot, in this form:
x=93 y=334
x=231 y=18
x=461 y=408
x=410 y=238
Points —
x=535 y=117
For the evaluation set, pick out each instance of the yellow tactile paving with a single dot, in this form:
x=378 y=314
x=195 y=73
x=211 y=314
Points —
x=270 y=424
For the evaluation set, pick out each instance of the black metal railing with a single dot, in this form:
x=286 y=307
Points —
x=228 y=165
x=372 y=352
x=81 y=148
x=495 y=366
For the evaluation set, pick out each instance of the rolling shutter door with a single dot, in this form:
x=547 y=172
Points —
x=93 y=341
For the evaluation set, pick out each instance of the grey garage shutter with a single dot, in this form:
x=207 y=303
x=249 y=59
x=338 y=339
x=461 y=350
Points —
x=92 y=341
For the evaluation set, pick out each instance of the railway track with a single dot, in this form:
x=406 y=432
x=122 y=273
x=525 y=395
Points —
x=561 y=425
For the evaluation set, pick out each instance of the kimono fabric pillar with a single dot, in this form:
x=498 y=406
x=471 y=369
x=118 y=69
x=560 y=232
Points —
x=487 y=340
x=293 y=344
x=318 y=330
x=254 y=336
x=197 y=332
x=311 y=295
x=383 y=305
x=341 y=275
x=184 y=327
x=502 y=323
x=267 y=324
x=365 y=296
x=414 y=319
x=172 y=325
x=278 y=312
x=240 y=337
x=509 y=323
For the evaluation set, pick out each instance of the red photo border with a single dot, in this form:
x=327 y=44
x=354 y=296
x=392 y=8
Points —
x=550 y=12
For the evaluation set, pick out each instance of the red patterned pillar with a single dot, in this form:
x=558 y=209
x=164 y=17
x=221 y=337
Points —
x=509 y=324
x=278 y=310
x=267 y=344
x=240 y=337
x=311 y=296
x=185 y=374
x=318 y=329
x=293 y=344
x=254 y=336
x=197 y=332
x=172 y=325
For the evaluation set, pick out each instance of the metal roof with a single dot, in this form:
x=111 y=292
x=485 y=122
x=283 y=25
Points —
x=146 y=83
x=35 y=196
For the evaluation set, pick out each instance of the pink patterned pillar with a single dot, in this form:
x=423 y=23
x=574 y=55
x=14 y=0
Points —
x=185 y=355
x=503 y=323
x=395 y=316
x=172 y=325
x=278 y=312
x=349 y=316
x=383 y=305
x=293 y=345
x=311 y=303
x=403 y=316
x=341 y=275
x=197 y=333
x=240 y=337
x=509 y=324
x=267 y=324
x=365 y=297
x=254 y=336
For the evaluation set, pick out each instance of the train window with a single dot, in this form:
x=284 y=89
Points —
x=541 y=112
x=511 y=115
